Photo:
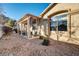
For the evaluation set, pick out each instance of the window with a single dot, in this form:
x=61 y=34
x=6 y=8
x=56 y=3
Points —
x=60 y=22
x=53 y=24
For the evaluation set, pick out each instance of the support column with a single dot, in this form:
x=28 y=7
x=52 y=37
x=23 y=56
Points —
x=23 y=29
x=17 y=27
x=48 y=27
x=28 y=27
x=40 y=27
x=69 y=24
x=57 y=31
x=20 y=28
x=37 y=26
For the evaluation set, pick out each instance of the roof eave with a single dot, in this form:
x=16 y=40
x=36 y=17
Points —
x=47 y=9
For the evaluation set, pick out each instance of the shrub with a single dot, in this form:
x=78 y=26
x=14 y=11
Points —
x=45 y=42
x=6 y=29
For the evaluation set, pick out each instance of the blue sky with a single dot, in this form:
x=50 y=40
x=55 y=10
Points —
x=17 y=10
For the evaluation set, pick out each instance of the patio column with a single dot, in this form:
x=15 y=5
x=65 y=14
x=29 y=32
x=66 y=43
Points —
x=40 y=27
x=20 y=28
x=23 y=27
x=37 y=26
x=28 y=27
x=48 y=27
x=17 y=27
x=69 y=24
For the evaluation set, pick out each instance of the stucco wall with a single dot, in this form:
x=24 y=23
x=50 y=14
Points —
x=64 y=36
x=75 y=26
x=62 y=6
x=44 y=27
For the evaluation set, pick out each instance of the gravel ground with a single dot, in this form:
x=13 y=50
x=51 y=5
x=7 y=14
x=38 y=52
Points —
x=16 y=45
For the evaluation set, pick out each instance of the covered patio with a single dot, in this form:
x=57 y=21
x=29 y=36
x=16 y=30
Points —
x=29 y=25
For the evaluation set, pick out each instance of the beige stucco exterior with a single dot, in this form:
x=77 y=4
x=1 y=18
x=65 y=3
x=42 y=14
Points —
x=72 y=33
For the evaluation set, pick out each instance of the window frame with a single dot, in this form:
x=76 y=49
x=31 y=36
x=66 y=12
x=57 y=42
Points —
x=57 y=13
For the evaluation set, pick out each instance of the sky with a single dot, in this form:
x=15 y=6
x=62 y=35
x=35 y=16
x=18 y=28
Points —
x=17 y=10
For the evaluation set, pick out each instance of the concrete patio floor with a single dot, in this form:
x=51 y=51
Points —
x=16 y=45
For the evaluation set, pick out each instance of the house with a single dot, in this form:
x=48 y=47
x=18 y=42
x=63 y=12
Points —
x=61 y=21
x=29 y=25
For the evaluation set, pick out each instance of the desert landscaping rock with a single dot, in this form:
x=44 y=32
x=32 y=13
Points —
x=16 y=45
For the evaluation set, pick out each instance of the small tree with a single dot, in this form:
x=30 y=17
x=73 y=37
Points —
x=10 y=23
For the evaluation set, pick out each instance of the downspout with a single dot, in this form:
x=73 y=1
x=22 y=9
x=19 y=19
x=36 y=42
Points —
x=69 y=24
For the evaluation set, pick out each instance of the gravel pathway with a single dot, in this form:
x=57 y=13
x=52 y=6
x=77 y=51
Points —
x=16 y=45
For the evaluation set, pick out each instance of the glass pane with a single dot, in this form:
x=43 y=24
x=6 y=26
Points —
x=53 y=24
x=62 y=22
x=62 y=25
x=59 y=20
